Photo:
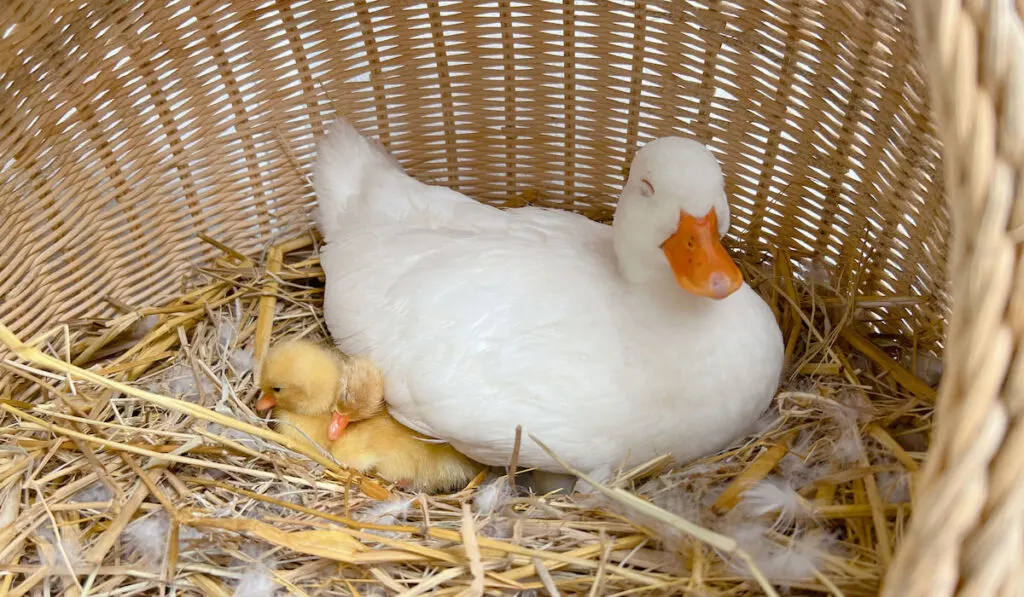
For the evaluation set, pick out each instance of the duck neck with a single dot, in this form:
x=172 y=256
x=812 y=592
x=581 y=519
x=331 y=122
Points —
x=649 y=274
x=639 y=265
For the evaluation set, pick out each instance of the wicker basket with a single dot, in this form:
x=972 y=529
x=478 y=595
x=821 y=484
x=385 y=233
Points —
x=129 y=129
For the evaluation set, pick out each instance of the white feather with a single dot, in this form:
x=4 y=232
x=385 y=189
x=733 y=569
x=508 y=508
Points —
x=895 y=486
x=926 y=366
x=180 y=381
x=846 y=448
x=246 y=439
x=389 y=510
x=775 y=496
x=256 y=581
x=765 y=423
x=814 y=271
x=59 y=550
x=144 y=326
x=492 y=496
x=602 y=474
x=701 y=469
x=241 y=360
x=223 y=408
x=131 y=336
x=390 y=513
x=801 y=465
x=147 y=537
x=655 y=485
x=97 y=492
x=226 y=334
x=782 y=564
x=687 y=502
x=497 y=528
x=852 y=409
x=798 y=562
x=750 y=535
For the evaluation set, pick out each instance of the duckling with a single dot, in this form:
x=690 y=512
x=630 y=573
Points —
x=300 y=380
x=318 y=396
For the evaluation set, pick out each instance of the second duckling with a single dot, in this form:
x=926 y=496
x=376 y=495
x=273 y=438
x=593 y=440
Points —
x=319 y=396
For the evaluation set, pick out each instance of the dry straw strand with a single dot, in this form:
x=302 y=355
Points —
x=726 y=544
x=34 y=355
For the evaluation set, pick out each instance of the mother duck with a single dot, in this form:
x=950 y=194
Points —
x=611 y=344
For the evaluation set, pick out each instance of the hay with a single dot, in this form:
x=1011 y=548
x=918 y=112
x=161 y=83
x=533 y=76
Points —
x=148 y=468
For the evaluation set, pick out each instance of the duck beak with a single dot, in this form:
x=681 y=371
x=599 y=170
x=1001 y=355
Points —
x=338 y=424
x=264 y=403
x=700 y=262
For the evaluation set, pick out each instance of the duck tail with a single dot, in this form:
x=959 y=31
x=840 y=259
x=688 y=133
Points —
x=345 y=160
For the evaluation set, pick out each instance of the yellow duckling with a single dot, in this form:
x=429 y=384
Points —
x=318 y=396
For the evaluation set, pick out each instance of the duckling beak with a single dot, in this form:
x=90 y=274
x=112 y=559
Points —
x=265 y=402
x=338 y=424
x=700 y=262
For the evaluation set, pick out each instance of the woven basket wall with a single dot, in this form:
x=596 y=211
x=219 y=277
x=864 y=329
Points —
x=128 y=129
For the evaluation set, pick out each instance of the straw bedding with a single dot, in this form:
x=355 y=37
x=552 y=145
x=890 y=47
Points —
x=172 y=483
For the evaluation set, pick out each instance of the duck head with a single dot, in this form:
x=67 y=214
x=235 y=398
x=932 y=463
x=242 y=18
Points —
x=671 y=218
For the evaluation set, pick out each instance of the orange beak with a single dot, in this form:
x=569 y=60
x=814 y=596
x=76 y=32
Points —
x=265 y=402
x=698 y=259
x=338 y=424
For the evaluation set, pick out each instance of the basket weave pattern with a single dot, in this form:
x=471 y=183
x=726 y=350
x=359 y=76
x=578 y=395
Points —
x=130 y=128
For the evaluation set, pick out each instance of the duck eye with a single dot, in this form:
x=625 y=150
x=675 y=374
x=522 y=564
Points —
x=276 y=389
x=646 y=188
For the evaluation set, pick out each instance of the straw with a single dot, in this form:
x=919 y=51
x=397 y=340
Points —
x=757 y=470
x=163 y=422
x=726 y=544
x=36 y=356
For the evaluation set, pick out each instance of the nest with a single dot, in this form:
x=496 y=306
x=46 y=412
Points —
x=135 y=463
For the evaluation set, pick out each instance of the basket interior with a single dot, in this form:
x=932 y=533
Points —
x=136 y=137
x=130 y=129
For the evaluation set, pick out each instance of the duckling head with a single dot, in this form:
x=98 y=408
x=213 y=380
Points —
x=301 y=377
x=362 y=394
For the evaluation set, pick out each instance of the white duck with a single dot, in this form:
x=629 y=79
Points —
x=611 y=344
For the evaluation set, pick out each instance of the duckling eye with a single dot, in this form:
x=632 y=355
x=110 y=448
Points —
x=646 y=188
x=276 y=389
